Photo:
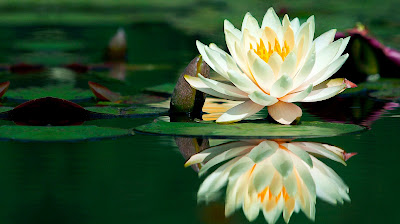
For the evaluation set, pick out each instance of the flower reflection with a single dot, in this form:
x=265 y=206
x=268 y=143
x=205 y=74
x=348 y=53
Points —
x=274 y=176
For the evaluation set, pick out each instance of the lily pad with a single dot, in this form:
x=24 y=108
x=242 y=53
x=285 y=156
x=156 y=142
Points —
x=64 y=91
x=59 y=133
x=137 y=111
x=388 y=94
x=243 y=130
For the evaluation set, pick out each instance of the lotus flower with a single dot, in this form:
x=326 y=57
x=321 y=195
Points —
x=272 y=176
x=273 y=66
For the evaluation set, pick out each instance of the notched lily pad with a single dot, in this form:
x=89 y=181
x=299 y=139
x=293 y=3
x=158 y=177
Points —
x=60 y=133
x=64 y=91
x=136 y=111
x=3 y=87
x=245 y=130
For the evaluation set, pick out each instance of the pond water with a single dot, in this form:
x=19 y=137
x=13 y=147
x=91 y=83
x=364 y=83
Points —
x=141 y=178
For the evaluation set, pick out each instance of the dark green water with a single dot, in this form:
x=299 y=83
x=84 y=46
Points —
x=141 y=179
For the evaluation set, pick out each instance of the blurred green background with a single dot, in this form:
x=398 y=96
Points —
x=141 y=179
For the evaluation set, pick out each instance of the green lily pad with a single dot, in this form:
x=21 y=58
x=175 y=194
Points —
x=137 y=111
x=163 y=89
x=380 y=84
x=5 y=109
x=64 y=91
x=388 y=94
x=59 y=133
x=307 y=129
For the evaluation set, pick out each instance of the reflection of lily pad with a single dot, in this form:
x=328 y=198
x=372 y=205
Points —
x=163 y=89
x=67 y=92
x=249 y=130
x=388 y=94
x=137 y=111
x=59 y=133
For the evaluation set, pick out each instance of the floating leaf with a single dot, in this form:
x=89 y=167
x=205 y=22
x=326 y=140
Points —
x=248 y=130
x=103 y=93
x=136 y=111
x=388 y=94
x=48 y=111
x=64 y=91
x=3 y=87
x=60 y=133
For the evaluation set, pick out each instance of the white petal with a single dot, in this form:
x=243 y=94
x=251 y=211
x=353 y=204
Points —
x=297 y=96
x=284 y=113
x=332 y=69
x=301 y=153
x=282 y=86
x=325 y=56
x=272 y=20
x=324 y=39
x=275 y=62
x=288 y=66
x=240 y=112
x=304 y=173
x=250 y=23
x=261 y=71
x=290 y=184
x=261 y=152
x=228 y=26
x=242 y=82
x=262 y=176
x=223 y=88
x=295 y=23
x=262 y=98
x=305 y=70
x=242 y=165
x=196 y=83
x=321 y=92
x=282 y=162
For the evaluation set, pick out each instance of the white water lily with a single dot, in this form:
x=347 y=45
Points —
x=272 y=176
x=273 y=65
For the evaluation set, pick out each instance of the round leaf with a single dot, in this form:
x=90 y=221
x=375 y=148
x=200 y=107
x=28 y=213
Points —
x=65 y=91
x=59 y=133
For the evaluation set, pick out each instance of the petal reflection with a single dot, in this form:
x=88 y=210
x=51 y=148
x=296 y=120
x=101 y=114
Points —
x=272 y=176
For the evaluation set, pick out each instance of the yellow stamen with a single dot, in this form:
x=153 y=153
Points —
x=266 y=54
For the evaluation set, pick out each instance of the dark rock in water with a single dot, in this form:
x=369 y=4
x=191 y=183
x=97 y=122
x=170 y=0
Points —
x=48 y=111
x=185 y=99
x=190 y=146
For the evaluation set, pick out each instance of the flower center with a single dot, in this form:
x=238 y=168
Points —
x=265 y=53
